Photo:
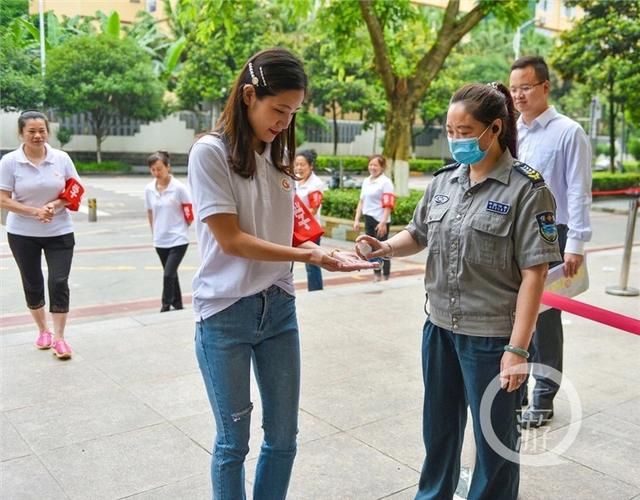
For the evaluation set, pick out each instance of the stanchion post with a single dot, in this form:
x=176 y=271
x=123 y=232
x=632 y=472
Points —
x=622 y=289
x=93 y=210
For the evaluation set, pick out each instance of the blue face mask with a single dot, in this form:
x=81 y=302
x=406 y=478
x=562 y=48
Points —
x=467 y=150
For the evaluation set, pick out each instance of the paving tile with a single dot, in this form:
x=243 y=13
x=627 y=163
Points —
x=193 y=488
x=341 y=467
x=26 y=478
x=357 y=400
x=628 y=411
x=33 y=384
x=173 y=397
x=11 y=443
x=79 y=416
x=605 y=444
x=571 y=480
x=125 y=464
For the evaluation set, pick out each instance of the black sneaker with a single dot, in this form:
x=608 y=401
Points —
x=165 y=308
x=533 y=418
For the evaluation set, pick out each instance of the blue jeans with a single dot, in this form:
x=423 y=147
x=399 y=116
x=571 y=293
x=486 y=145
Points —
x=263 y=328
x=314 y=275
x=457 y=369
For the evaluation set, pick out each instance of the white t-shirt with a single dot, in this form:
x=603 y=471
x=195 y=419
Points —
x=371 y=196
x=35 y=187
x=169 y=226
x=264 y=207
x=314 y=183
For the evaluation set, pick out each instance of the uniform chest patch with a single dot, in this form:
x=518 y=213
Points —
x=497 y=207
x=439 y=199
x=547 y=226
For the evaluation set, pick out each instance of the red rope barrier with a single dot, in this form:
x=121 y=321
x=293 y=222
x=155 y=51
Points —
x=620 y=321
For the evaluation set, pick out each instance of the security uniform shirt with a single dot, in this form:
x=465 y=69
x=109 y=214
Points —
x=478 y=239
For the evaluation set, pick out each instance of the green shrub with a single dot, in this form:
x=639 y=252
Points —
x=605 y=181
x=425 y=165
x=342 y=203
x=631 y=167
x=603 y=149
x=359 y=164
x=105 y=166
x=349 y=163
x=633 y=146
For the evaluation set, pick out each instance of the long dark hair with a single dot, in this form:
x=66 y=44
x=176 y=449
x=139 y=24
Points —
x=488 y=102
x=272 y=71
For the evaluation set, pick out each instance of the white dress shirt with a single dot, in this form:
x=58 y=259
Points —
x=558 y=148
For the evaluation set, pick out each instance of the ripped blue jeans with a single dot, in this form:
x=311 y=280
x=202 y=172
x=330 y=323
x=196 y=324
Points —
x=263 y=328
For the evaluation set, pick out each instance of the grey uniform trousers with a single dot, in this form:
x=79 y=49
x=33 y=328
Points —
x=546 y=345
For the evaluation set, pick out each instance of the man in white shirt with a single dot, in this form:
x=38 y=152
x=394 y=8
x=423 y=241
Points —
x=559 y=149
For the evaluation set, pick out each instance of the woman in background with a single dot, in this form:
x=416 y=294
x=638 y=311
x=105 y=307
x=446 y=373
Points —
x=169 y=211
x=309 y=187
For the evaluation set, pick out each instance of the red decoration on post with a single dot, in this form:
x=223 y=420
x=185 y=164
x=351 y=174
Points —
x=305 y=225
x=72 y=194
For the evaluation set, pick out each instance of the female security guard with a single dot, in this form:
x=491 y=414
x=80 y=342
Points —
x=488 y=224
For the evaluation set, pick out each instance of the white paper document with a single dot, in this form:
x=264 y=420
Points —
x=558 y=283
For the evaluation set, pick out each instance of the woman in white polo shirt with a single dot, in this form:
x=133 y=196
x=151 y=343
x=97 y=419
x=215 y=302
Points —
x=309 y=187
x=376 y=203
x=168 y=205
x=242 y=182
x=33 y=181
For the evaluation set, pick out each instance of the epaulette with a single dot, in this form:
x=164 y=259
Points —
x=530 y=173
x=446 y=168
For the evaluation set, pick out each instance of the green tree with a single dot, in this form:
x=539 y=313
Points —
x=105 y=77
x=602 y=50
x=410 y=46
x=21 y=85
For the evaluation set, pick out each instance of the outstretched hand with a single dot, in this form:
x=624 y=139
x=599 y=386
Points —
x=337 y=260
x=367 y=247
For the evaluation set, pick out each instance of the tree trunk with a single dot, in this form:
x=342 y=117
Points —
x=99 y=148
x=334 y=114
x=397 y=144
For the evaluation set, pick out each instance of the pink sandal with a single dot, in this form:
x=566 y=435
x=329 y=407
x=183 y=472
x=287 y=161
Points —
x=61 y=349
x=45 y=339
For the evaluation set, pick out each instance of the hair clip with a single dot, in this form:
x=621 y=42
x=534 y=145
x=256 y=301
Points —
x=494 y=85
x=264 y=82
x=254 y=78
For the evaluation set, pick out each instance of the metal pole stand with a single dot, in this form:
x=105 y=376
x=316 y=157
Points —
x=93 y=210
x=623 y=289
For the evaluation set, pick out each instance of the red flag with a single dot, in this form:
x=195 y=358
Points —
x=72 y=193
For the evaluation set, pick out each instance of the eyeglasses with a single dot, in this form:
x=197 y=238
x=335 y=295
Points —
x=525 y=89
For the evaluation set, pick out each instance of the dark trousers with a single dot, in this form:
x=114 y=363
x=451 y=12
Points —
x=58 y=252
x=457 y=369
x=171 y=259
x=370 y=229
x=546 y=344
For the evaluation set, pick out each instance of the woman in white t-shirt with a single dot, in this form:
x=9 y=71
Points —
x=242 y=182
x=309 y=187
x=38 y=186
x=170 y=213
x=376 y=203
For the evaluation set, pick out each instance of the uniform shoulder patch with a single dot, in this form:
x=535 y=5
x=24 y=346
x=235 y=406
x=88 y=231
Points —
x=530 y=173
x=446 y=168
x=547 y=226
